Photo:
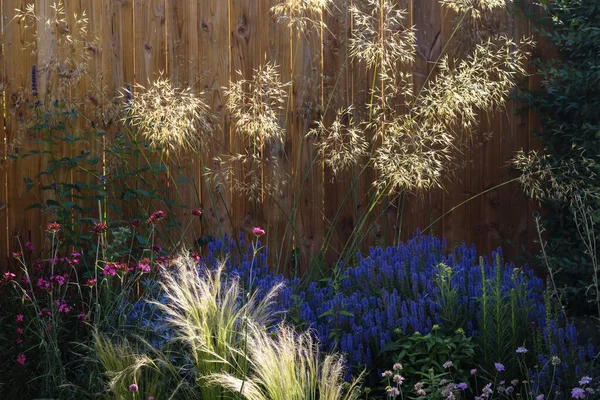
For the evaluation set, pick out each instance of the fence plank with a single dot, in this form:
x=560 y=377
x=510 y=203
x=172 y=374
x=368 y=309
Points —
x=183 y=72
x=308 y=68
x=277 y=179
x=4 y=234
x=339 y=210
x=18 y=90
x=214 y=57
x=245 y=58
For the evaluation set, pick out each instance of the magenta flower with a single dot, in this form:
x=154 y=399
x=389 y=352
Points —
x=258 y=231
x=133 y=387
x=29 y=246
x=157 y=216
x=499 y=367
x=19 y=317
x=9 y=276
x=21 y=359
x=196 y=212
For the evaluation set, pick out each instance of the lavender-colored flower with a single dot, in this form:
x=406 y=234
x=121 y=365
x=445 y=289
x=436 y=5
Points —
x=393 y=392
x=540 y=397
x=522 y=350
x=447 y=364
x=386 y=374
x=585 y=380
x=473 y=371
x=461 y=386
x=578 y=393
x=398 y=379
x=499 y=366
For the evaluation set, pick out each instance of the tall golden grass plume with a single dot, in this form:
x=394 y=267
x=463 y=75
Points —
x=301 y=14
x=169 y=117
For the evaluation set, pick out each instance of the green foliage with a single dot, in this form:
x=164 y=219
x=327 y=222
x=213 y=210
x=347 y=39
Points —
x=568 y=103
x=425 y=355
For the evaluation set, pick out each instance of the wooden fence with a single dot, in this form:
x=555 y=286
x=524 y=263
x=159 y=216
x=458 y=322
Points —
x=203 y=44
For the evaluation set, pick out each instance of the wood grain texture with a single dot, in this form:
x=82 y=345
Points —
x=309 y=67
x=278 y=179
x=214 y=58
x=17 y=85
x=245 y=58
x=203 y=45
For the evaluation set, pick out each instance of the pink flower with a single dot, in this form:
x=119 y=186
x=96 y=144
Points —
x=258 y=231
x=110 y=269
x=144 y=265
x=19 y=340
x=157 y=216
x=81 y=317
x=29 y=246
x=21 y=359
x=196 y=212
x=17 y=255
x=19 y=317
x=20 y=330
x=9 y=276
x=63 y=307
x=53 y=227
x=44 y=313
x=133 y=387
x=91 y=282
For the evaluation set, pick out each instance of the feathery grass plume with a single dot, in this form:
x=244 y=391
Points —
x=287 y=367
x=256 y=108
x=124 y=365
x=478 y=21
x=381 y=39
x=419 y=146
x=171 y=118
x=341 y=144
x=301 y=14
x=70 y=39
x=210 y=315
x=257 y=104
x=548 y=180
x=475 y=8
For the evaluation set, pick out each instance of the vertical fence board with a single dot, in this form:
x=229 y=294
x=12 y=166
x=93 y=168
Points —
x=308 y=69
x=213 y=56
x=17 y=91
x=339 y=211
x=245 y=58
x=4 y=244
x=278 y=181
x=456 y=224
x=183 y=72
x=427 y=18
